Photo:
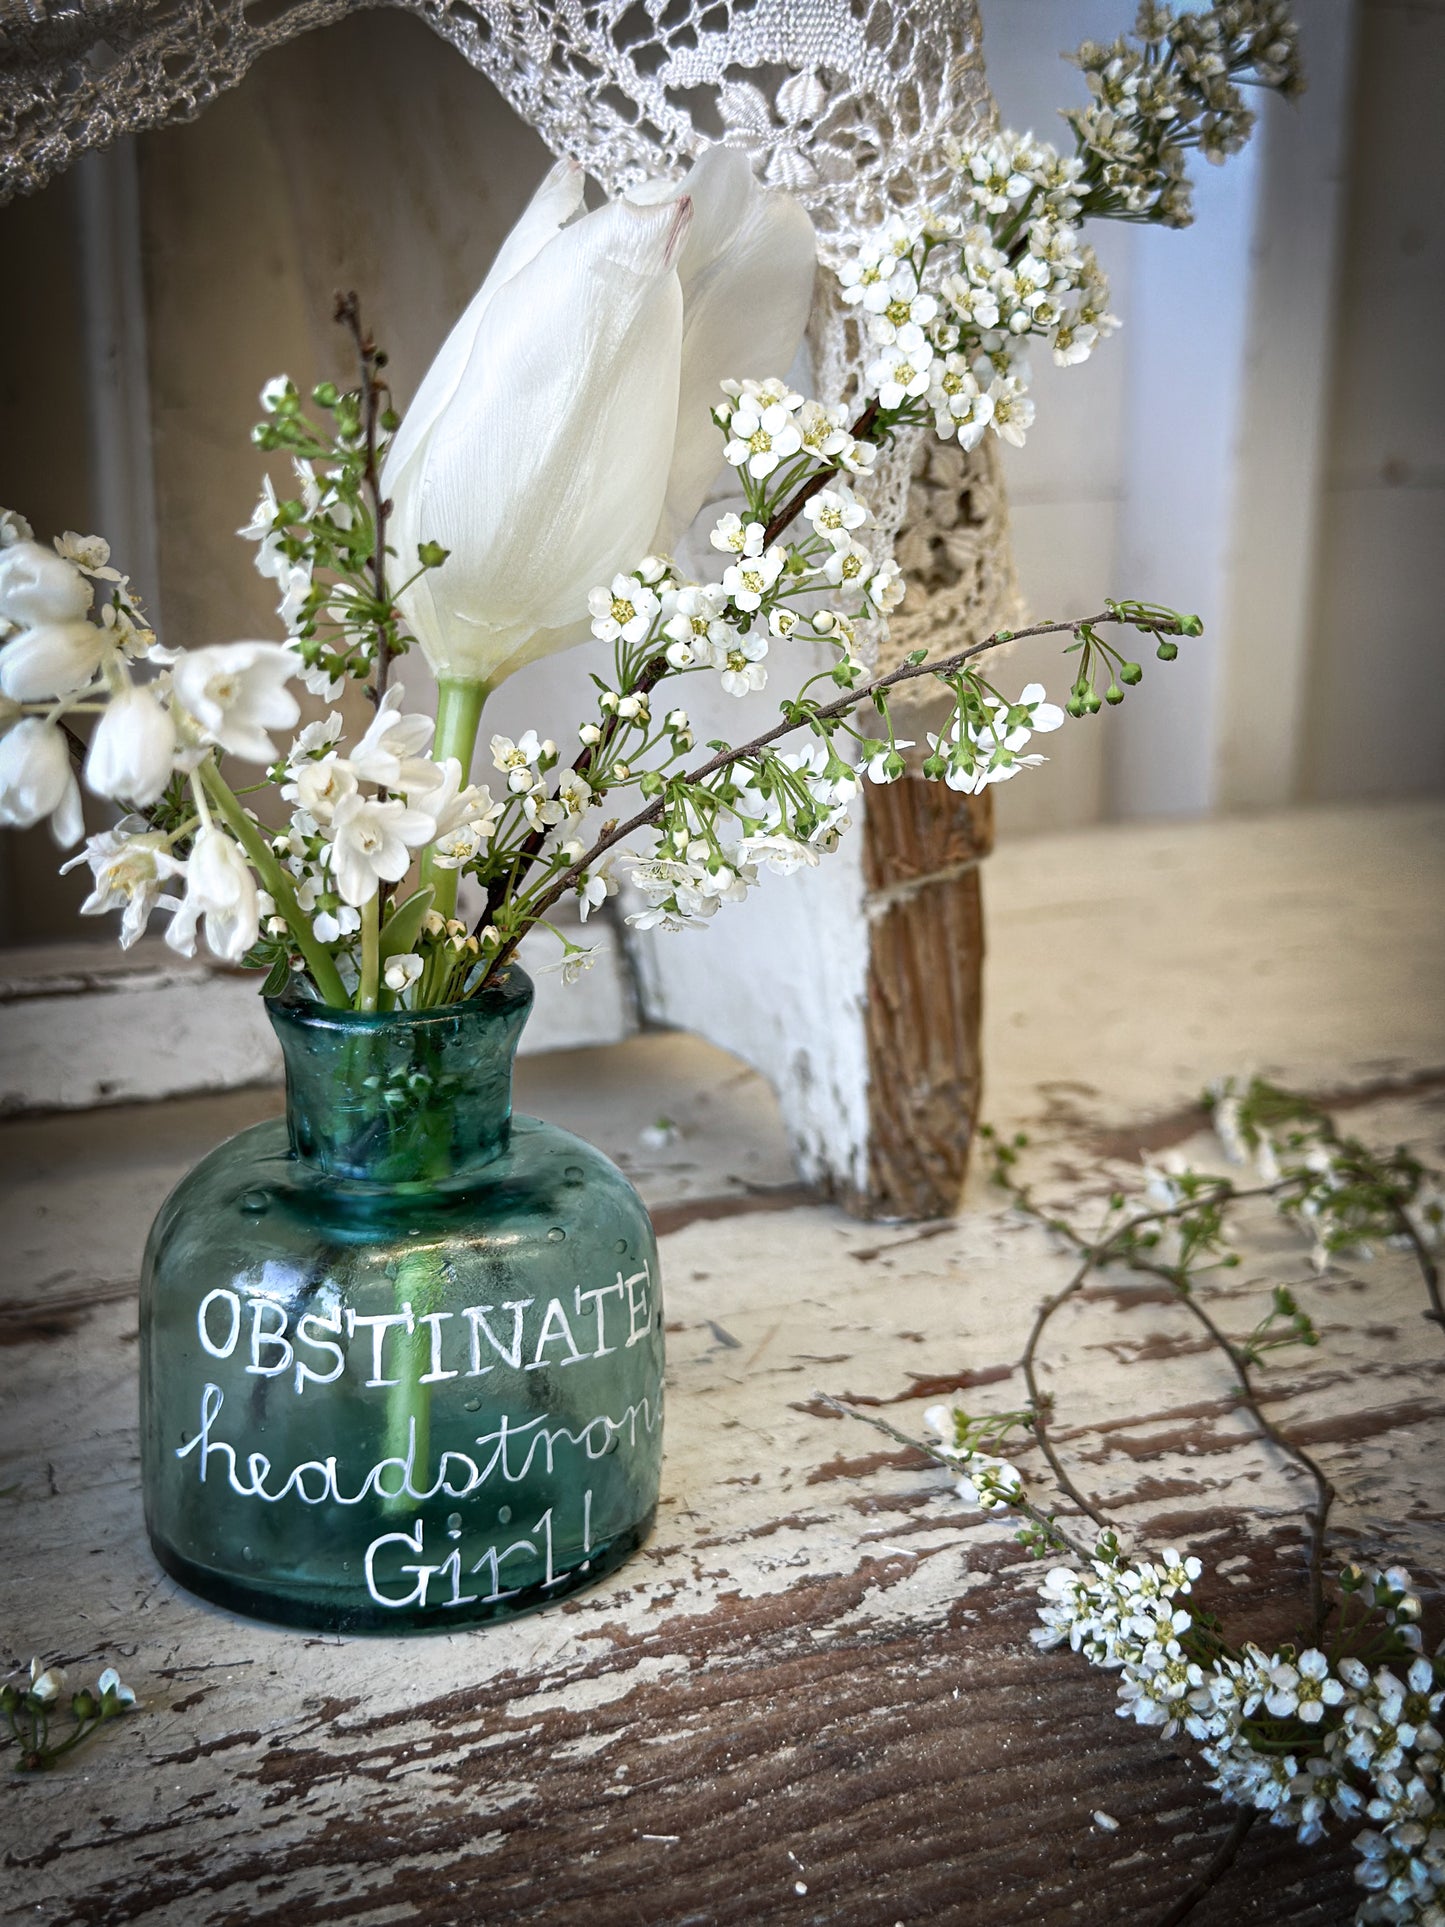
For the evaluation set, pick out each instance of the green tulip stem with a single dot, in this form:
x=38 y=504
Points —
x=459 y=717
x=421 y=1286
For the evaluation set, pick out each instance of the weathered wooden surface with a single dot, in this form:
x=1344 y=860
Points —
x=817 y=1675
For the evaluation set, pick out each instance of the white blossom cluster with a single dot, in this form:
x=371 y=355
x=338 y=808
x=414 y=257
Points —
x=768 y=592
x=358 y=816
x=950 y=300
x=1295 y=1734
x=1322 y=1181
x=1173 y=89
x=989 y=1483
x=949 y=305
x=988 y=738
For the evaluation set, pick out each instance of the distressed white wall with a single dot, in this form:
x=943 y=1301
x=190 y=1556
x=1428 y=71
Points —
x=1227 y=452
x=1375 y=712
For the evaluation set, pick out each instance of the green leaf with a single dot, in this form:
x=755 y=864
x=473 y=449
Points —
x=277 y=977
x=402 y=928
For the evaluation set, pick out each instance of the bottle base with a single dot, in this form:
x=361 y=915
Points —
x=314 y=1613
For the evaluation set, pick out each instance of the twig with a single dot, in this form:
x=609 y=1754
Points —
x=1112 y=1249
x=348 y=313
x=1248 y=1397
x=653 y=672
x=1429 y=1270
x=862 y=429
x=906 y=672
x=1041 y=1404
x=954 y=1465
x=1221 y=1863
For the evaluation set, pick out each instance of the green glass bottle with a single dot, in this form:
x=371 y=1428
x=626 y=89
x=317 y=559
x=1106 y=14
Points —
x=401 y=1355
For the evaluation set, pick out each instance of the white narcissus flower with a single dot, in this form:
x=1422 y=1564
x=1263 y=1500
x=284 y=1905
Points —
x=835 y=513
x=37 y=780
x=38 y=586
x=735 y=537
x=390 y=753
x=989 y=1483
x=402 y=972
x=762 y=437
x=741 y=663
x=564 y=428
x=596 y=886
x=133 y=749
x=887 y=588
x=886 y=765
x=695 y=620
x=220 y=888
x=320 y=784
x=371 y=843
x=236 y=692
x=904 y=369
x=1044 y=715
x=52 y=659
x=128 y=872
x=1013 y=410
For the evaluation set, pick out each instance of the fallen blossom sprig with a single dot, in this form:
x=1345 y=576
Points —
x=45 y=1725
x=1344 y=1724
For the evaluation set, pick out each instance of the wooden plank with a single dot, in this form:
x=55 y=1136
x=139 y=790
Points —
x=818 y=1670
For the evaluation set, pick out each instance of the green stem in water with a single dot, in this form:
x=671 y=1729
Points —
x=420 y=1283
x=367 y=989
x=324 y=973
x=459 y=717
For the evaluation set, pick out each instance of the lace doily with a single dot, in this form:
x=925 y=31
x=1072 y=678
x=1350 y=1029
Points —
x=846 y=103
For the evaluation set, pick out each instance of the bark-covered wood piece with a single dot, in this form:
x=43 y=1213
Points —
x=922 y=845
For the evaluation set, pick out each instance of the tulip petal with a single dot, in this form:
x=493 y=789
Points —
x=550 y=208
x=747 y=281
x=546 y=473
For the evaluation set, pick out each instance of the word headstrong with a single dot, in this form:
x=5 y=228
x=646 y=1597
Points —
x=468 y=1455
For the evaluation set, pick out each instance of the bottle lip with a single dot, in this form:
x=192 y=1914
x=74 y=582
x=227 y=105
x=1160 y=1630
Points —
x=510 y=994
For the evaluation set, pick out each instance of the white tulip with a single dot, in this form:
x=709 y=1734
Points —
x=36 y=780
x=37 y=586
x=545 y=448
x=536 y=449
x=52 y=659
x=133 y=748
x=747 y=271
x=220 y=888
x=236 y=692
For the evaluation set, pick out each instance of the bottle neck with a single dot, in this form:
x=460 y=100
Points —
x=414 y=1099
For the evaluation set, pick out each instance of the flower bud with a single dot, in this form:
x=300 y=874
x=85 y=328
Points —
x=38 y=586
x=1167 y=650
x=1130 y=672
x=133 y=748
